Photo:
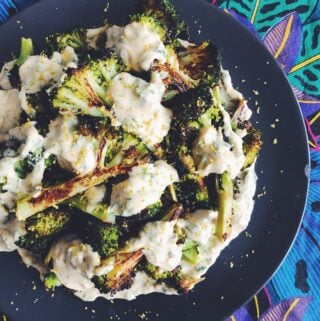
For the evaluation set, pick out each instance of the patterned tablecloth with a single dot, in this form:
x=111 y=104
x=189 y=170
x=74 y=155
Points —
x=290 y=29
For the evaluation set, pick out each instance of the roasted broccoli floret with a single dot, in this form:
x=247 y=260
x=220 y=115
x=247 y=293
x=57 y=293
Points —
x=25 y=51
x=251 y=146
x=103 y=237
x=85 y=90
x=187 y=111
x=151 y=23
x=42 y=229
x=201 y=62
x=25 y=166
x=75 y=39
x=121 y=276
x=164 y=12
x=192 y=194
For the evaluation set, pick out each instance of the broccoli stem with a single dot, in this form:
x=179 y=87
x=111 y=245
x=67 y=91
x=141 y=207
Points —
x=224 y=187
x=25 y=52
x=52 y=196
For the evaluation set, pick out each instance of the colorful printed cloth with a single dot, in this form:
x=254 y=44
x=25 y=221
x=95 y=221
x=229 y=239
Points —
x=290 y=30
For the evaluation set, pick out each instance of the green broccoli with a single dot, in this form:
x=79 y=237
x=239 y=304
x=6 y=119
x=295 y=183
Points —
x=192 y=194
x=164 y=12
x=121 y=276
x=151 y=23
x=175 y=279
x=103 y=237
x=201 y=62
x=25 y=51
x=187 y=111
x=224 y=188
x=42 y=229
x=54 y=173
x=51 y=281
x=190 y=251
x=75 y=39
x=25 y=166
x=251 y=146
x=85 y=90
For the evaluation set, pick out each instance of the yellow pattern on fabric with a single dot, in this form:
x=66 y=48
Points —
x=304 y=63
x=257 y=306
x=291 y=307
x=285 y=37
x=255 y=11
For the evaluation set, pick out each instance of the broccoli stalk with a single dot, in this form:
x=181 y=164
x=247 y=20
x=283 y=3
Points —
x=25 y=52
x=120 y=276
x=52 y=196
x=224 y=188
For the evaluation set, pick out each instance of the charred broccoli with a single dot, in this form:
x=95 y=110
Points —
x=192 y=194
x=103 y=237
x=42 y=229
x=85 y=91
x=175 y=279
x=187 y=109
x=164 y=12
x=201 y=62
x=251 y=146
x=121 y=276
x=25 y=51
x=75 y=39
x=25 y=166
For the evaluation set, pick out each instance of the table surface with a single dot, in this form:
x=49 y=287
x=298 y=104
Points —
x=291 y=31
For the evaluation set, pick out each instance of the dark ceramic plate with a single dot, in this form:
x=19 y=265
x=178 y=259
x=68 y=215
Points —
x=255 y=255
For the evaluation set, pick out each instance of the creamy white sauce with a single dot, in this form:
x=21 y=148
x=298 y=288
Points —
x=4 y=75
x=74 y=151
x=136 y=45
x=93 y=35
x=215 y=155
x=199 y=226
x=16 y=187
x=74 y=263
x=95 y=196
x=67 y=58
x=144 y=187
x=142 y=284
x=158 y=242
x=242 y=207
x=137 y=107
x=38 y=72
x=10 y=231
x=10 y=109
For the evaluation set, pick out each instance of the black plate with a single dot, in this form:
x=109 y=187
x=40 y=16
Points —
x=281 y=169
